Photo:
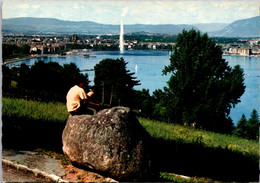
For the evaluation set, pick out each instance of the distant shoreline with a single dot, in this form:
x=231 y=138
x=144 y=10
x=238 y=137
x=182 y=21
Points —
x=13 y=60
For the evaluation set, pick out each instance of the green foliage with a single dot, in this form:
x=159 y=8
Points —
x=34 y=110
x=199 y=153
x=114 y=82
x=31 y=124
x=159 y=110
x=241 y=128
x=143 y=102
x=47 y=81
x=253 y=125
x=6 y=78
x=248 y=129
x=105 y=47
x=174 y=178
x=189 y=135
x=144 y=37
x=194 y=149
x=202 y=87
x=12 y=50
x=152 y=107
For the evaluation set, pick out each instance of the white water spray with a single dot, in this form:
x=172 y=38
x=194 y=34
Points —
x=121 y=38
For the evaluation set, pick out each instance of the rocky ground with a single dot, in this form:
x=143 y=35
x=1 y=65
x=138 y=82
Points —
x=74 y=174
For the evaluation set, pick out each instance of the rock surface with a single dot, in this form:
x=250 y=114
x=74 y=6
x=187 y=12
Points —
x=112 y=142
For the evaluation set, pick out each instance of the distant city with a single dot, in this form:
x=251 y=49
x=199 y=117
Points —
x=42 y=44
x=53 y=36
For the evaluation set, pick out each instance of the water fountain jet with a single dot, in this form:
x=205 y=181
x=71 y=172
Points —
x=121 y=38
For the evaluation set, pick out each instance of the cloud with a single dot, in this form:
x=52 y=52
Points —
x=132 y=12
x=35 y=6
x=76 y=6
x=124 y=12
x=24 y=6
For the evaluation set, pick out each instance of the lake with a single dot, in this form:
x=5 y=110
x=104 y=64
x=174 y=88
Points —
x=148 y=66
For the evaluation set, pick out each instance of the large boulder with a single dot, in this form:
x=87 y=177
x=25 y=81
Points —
x=112 y=142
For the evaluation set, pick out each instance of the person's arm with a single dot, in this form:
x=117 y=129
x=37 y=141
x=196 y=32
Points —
x=92 y=104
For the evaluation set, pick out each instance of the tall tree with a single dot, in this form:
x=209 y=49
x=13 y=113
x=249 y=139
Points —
x=114 y=83
x=253 y=125
x=241 y=128
x=202 y=87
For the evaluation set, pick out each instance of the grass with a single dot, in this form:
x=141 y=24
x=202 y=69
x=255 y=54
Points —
x=31 y=124
x=174 y=148
x=34 y=110
x=189 y=135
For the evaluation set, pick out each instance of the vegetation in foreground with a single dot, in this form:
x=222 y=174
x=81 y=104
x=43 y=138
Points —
x=178 y=149
x=189 y=135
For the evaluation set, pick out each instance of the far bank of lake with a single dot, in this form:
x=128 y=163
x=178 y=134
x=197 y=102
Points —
x=148 y=66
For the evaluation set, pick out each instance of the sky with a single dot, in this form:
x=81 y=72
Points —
x=134 y=11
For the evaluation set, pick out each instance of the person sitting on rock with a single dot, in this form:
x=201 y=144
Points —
x=78 y=101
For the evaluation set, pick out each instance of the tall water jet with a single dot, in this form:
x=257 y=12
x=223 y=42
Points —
x=121 y=38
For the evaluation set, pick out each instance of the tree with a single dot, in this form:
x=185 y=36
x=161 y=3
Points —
x=70 y=73
x=159 y=109
x=241 y=128
x=202 y=87
x=114 y=83
x=24 y=76
x=143 y=102
x=11 y=50
x=45 y=81
x=7 y=78
x=253 y=125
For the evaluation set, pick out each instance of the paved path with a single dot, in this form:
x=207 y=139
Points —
x=34 y=160
x=10 y=174
x=29 y=166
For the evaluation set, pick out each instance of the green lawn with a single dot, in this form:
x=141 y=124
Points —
x=207 y=139
x=34 y=110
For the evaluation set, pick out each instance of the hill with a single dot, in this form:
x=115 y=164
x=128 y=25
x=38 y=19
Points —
x=50 y=25
x=210 y=27
x=241 y=28
x=27 y=25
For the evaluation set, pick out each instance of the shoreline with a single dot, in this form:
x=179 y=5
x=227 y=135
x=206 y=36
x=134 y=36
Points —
x=13 y=60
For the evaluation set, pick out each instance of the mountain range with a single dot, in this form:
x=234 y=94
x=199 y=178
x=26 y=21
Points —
x=241 y=28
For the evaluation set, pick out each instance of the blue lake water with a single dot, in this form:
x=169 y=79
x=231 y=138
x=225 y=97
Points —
x=148 y=66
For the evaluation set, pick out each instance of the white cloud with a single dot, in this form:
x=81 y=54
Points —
x=24 y=6
x=124 y=12
x=132 y=12
x=35 y=6
x=76 y=6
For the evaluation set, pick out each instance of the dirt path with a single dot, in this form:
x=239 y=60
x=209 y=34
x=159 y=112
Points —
x=74 y=174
